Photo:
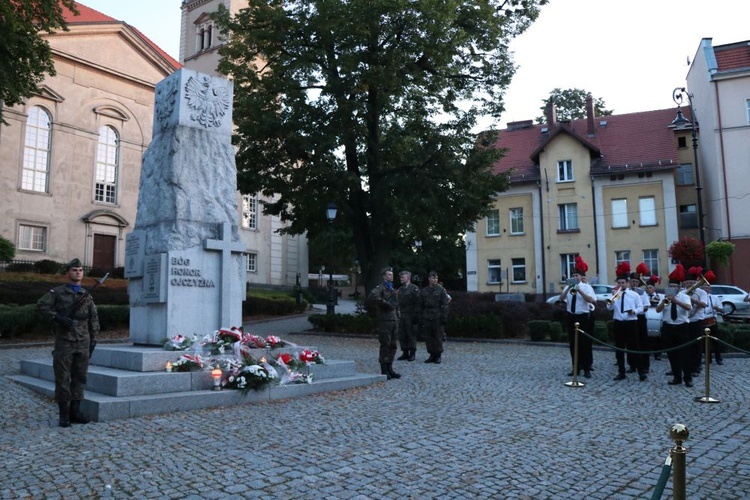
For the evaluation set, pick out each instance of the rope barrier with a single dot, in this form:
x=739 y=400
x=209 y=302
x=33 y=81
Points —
x=666 y=472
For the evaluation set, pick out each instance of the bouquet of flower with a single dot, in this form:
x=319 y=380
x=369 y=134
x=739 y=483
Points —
x=292 y=377
x=289 y=361
x=253 y=341
x=188 y=363
x=226 y=363
x=251 y=376
x=180 y=343
x=273 y=342
x=311 y=357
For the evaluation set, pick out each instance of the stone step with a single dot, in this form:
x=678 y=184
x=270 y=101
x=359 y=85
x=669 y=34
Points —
x=120 y=382
x=102 y=408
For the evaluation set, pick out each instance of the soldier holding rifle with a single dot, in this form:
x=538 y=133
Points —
x=75 y=325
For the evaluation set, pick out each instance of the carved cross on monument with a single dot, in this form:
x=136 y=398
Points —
x=227 y=247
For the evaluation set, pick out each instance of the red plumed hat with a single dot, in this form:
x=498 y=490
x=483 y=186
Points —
x=642 y=269
x=678 y=275
x=710 y=276
x=695 y=271
x=581 y=265
x=623 y=270
x=654 y=280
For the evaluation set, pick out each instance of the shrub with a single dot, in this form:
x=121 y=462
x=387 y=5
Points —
x=7 y=250
x=485 y=326
x=742 y=338
x=17 y=320
x=112 y=317
x=274 y=305
x=20 y=267
x=556 y=332
x=47 y=266
x=343 y=323
x=600 y=331
x=539 y=330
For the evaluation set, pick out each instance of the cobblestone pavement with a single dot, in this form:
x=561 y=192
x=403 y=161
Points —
x=495 y=420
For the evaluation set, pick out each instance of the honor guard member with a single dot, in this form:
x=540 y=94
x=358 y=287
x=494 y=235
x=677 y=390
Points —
x=711 y=318
x=637 y=284
x=654 y=298
x=384 y=299
x=699 y=299
x=409 y=311
x=75 y=323
x=625 y=305
x=674 y=308
x=434 y=315
x=578 y=298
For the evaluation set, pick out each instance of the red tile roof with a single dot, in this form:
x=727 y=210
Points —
x=733 y=56
x=87 y=15
x=621 y=143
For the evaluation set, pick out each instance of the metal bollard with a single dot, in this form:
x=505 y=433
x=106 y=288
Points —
x=575 y=382
x=678 y=433
x=706 y=398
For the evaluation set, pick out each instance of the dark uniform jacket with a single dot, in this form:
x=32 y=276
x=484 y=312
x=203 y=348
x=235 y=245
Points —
x=434 y=303
x=409 y=302
x=385 y=302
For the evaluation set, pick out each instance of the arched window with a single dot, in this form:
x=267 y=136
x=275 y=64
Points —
x=107 y=161
x=36 y=149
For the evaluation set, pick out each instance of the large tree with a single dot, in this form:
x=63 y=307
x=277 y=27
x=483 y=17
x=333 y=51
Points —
x=570 y=104
x=25 y=57
x=371 y=105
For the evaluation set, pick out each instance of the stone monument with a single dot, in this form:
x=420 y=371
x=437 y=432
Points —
x=184 y=261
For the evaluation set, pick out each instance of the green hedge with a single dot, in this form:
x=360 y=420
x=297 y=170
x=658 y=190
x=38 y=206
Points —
x=343 y=323
x=19 y=320
x=273 y=304
x=483 y=326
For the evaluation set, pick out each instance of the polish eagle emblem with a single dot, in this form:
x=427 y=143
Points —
x=208 y=103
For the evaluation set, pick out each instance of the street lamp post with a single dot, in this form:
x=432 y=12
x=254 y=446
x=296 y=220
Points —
x=331 y=306
x=679 y=95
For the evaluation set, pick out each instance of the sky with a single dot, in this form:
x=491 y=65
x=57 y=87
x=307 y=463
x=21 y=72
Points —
x=630 y=53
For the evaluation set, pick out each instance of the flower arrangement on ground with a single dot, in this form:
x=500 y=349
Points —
x=292 y=377
x=188 y=363
x=290 y=361
x=274 y=342
x=252 y=375
x=180 y=343
x=311 y=357
x=253 y=341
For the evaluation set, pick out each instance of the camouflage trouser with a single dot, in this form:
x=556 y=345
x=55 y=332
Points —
x=388 y=336
x=407 y=332
x=433 y=336
x=70 y=361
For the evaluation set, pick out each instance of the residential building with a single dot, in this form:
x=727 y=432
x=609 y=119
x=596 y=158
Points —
x=605 y=188
x=719 y=81
x=273 y=258
x=70 y=156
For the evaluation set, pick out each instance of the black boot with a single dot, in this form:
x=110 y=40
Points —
x=64 y=414
x=392 y=373
x=412 y=355
x=437 y=360
x=404 y=356
x=384 y=370
x=431 y=359
x=76 y=416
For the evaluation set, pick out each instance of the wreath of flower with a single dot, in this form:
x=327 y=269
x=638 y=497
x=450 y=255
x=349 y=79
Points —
x=296 y=378
x=180 y=343
x=251 y=375
x=274 y=342
x=188 y=363
x=311 y=357
x=253 y=341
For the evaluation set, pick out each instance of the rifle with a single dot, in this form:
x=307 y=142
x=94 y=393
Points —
x=79 y=303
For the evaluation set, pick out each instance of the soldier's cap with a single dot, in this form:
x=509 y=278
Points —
x=73 y=263
x=433 y=274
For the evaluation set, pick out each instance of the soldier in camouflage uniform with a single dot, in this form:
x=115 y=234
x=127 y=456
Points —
x=409 y=310
x=75 y=324
x=384 y=300
x=434 y=316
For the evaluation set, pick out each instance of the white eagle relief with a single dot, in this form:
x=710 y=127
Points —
x=207 y=103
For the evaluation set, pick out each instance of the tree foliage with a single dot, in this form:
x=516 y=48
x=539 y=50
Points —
x=371 y=104
x=688 y=251
x=7 y=250
x=25 y=57
x=570 y=104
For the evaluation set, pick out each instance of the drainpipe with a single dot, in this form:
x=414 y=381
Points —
x=541 y=227
x=596 y=234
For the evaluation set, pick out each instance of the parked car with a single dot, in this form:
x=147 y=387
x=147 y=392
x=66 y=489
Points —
x=731 y=297
x=603 y=292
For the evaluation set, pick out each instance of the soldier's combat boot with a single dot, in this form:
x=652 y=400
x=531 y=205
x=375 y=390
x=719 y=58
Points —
x=404 y=356
x=64 y=414
x=412 y=355
x=392 y=373
x=76 y=416
x=384 y=370
x=431 y=359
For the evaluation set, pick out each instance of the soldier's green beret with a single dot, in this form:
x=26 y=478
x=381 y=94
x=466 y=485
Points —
x=73 y=263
